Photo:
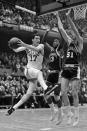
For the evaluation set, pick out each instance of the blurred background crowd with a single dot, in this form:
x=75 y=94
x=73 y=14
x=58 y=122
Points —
x=12 y=15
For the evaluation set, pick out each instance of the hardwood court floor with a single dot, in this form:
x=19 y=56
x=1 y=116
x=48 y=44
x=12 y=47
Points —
x=38 y=120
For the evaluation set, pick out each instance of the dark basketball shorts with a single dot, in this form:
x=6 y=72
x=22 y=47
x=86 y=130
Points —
x=53 y=78
x=71 y=73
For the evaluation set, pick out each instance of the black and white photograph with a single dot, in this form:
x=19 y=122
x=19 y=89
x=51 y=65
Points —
x=43 y=65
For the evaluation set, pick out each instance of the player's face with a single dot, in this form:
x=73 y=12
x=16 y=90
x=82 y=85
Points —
x=72 y=35
x=56 y=43
x=36 y=40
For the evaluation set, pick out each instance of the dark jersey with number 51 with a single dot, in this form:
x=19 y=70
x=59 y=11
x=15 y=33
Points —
x=72 y=56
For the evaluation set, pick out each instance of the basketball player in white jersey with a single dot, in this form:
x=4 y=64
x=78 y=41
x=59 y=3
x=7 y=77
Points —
x=71 y=70
x=35 y=53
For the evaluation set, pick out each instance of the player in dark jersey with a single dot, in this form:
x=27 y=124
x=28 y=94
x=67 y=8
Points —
x=54 y=66
x=71 y=70
x=71 y=65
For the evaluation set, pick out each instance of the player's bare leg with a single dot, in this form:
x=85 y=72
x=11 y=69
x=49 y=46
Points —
x=53 y=112
x=76 y=102
x=60 y=116
x=64 y=87
x=32 y=85
x=52 y=107
x=58 y=103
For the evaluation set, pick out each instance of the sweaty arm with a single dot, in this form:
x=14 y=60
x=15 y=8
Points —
x=40 y=48
x=35 y=48
x=19 y=49
x=78 y=37
x=62 y=30
x=49 y=46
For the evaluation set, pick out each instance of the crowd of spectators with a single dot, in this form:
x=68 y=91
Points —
x=9 y=14
x=12 y=15
x=13 y=60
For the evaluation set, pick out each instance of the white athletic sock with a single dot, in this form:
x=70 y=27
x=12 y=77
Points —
x=76 y=116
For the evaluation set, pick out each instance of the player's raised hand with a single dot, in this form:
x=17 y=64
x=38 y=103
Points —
x=14 y=43
x=21 y=43
x=68 y=13
x=57 y=14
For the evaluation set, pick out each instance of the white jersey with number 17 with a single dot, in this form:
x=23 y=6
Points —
x=35 y=59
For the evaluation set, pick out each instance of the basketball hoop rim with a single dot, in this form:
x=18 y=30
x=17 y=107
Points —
x=66 y=8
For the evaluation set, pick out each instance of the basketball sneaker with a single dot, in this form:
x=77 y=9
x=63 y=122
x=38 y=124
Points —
x=53 y=113
x=69 y=116
x=60 y=117
x=10 y=111
x=76 y=121
x=76 y=116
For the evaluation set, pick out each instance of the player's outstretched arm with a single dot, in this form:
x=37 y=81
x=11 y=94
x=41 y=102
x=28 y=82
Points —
x=62 y=30
x=79 y=38
x=14 y=43
x=42 y=41
x=49 y=46
x=19 y=49
x=45 y=35
x=39 y=48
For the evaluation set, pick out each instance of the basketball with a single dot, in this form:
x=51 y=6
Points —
x=13 y=43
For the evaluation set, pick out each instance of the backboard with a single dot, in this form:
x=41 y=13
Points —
x=54 y=5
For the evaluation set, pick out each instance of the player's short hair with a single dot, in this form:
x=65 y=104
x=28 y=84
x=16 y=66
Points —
x=35 y=34
x=56 y=40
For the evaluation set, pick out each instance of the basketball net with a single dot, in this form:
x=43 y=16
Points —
x=80 y=11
